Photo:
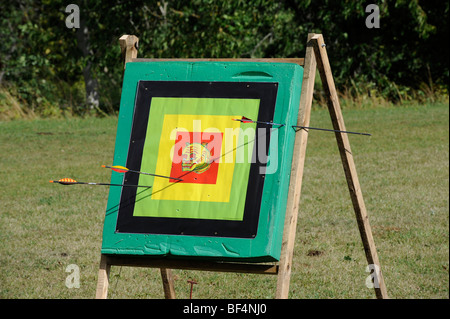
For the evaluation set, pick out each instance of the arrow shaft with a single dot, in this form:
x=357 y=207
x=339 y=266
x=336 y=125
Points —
x=247 y=120
x=329 y=130
x=259 y=122
x=100 y=184
x=108 y=184
x=305 y=127
x=138 y=172
x=122 y=169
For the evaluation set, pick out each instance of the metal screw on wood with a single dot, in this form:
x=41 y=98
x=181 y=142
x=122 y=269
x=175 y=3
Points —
x=192 y=286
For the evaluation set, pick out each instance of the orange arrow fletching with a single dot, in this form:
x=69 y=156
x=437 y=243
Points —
x=244 y=120
x=118 y=168
x=65 y=181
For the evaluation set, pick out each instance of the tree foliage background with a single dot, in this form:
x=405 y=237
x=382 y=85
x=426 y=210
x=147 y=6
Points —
x=51 y=69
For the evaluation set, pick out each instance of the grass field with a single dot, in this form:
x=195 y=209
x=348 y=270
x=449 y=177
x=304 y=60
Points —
x=403 y=170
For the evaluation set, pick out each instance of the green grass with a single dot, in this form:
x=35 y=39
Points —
x=403 y=171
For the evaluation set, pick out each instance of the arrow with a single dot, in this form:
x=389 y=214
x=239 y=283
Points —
x=324 y=129
x=247 y=120
x=123 y=169
x=70 y=181
x=244 y=120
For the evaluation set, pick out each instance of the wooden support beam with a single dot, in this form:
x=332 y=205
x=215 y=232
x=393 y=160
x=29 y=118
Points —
x=103 y=278
x=337 y=119
x=168 y=286
x=295 y=184
x=202 y=265
x=299 y=61
x=129 y=45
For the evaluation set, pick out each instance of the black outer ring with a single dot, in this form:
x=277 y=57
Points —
x=266 y=92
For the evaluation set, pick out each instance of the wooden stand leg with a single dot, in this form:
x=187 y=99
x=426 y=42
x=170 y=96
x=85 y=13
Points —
x=129 y=46
x=167 y=279
x=295 y=184
x=334 y=108
x=103 y=278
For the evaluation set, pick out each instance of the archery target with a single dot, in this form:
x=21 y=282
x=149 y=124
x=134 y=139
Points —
x=179 y=120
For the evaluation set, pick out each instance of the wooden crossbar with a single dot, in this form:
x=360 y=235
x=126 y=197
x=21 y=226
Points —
x=136 y=261
x=299 y=61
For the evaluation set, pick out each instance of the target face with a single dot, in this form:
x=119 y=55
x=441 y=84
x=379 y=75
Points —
x=215 y=181
x=191 y=134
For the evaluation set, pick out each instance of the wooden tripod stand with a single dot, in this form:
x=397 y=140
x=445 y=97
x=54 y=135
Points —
x=316 y=58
